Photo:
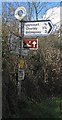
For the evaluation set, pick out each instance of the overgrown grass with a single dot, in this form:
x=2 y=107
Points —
x=49 y=108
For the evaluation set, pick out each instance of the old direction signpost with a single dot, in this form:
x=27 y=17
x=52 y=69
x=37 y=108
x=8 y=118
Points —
x=13 y=43
x=31 y=44
x=21 y=74
x=29 y=28
x=38 y=28
x=24 y=52
x=21 y=63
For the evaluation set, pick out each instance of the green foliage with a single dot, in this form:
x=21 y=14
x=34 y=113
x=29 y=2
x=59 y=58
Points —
x=48 y=108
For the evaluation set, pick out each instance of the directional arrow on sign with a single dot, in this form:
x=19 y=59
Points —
x=34 y=43
x=50 y=27
x=38 y=28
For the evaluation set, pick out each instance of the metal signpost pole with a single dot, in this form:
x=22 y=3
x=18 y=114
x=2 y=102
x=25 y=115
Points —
x=20 y=44
x=20 y=36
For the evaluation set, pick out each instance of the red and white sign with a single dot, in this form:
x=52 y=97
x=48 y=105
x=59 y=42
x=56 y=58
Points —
x=31 y=44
